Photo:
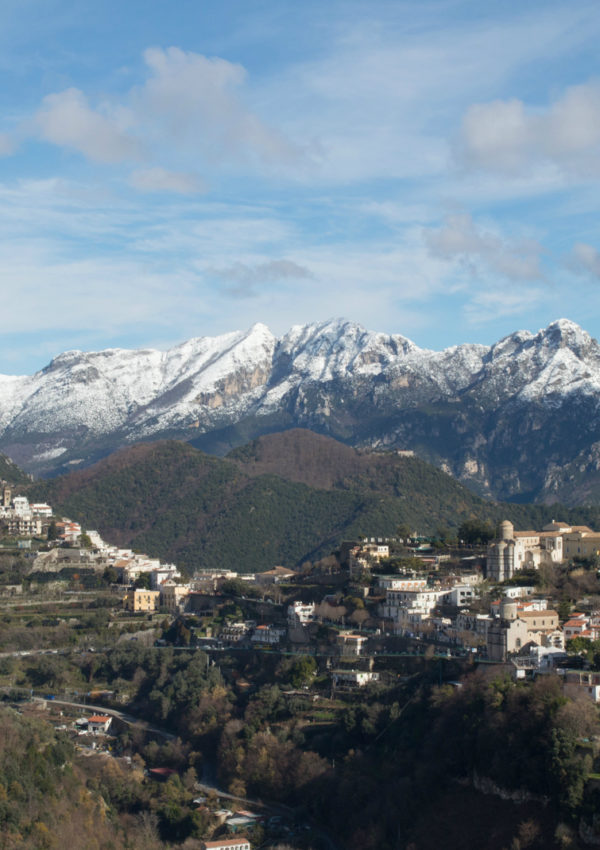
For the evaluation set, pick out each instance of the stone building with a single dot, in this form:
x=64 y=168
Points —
x=520 y=550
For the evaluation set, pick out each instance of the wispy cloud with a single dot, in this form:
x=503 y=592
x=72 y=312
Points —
x=242 y=280
x=161 y=180
x=585 y=260
x=461 y=239
x=493 y=306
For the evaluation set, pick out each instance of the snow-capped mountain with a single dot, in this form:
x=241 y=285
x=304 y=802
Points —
x=505 y=418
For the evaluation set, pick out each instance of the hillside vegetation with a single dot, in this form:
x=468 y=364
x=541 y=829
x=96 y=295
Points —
x=9 y=471
x=283 y=498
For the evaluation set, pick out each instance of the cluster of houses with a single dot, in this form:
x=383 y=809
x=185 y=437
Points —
x=24 y=519
x=169 y=592
x=18 y=517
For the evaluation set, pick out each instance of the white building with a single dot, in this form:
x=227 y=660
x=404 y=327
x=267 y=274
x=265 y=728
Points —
x=397 y=583
x=41 y=509
x=353 y=678
x=299 y=613
x=461 y=594
x=399 y=605
x=21 y=506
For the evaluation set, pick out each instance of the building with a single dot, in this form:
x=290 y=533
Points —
x=581 y=542
x=138 y=601
x=163 y=573
x=267 y=635
x=99 y=723
x=520 y=550
x=353 y=678
x=582 y=682
x=513 y=629
x=23 y=526
x=235 y=632
x=41 y=509
x=234 y=842
x=274 y=576
x=397 y=583
x=299 y=613
x=173 y=596
x=400 y=604
x=350 y=644
x=461 y=594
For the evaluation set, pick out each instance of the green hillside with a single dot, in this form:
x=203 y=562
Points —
x=281 y=499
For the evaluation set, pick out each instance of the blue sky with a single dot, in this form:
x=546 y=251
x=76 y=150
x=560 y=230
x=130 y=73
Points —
x=170 y=170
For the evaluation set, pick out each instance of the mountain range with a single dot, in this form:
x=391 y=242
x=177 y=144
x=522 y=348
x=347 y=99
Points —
x=517 y=420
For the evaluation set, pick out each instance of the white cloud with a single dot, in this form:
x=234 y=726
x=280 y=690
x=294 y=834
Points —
x=460 y=238
x=503 y=135
x=585 y=259
x=160 y=180
x=197 y=100
x=67 y=120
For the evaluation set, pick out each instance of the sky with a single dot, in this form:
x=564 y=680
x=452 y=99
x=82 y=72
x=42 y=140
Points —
x=175 y=170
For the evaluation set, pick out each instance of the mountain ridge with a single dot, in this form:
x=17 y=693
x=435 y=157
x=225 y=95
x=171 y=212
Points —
x=479 y=412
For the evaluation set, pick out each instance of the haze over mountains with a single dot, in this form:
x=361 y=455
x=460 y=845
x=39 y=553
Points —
x=516 y=420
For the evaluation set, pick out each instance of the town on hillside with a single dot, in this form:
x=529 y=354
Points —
x=487 y=601
x=342 y=630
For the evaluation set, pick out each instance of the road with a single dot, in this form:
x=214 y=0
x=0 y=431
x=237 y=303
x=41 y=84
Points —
x=121 y=715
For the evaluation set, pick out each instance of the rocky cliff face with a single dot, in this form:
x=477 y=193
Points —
x=517 y=419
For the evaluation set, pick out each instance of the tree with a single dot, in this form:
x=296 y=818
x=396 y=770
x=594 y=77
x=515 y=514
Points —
x=52 y=531
x=110 y=575
x=474 y=531
x=303 y=671
x=142 y=582
x=403 y=531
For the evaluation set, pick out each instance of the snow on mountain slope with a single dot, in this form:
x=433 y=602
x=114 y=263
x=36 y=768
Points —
x=333 y=376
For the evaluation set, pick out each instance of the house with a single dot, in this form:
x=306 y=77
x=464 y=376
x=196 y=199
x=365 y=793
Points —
x=268 y=635
x=235 y=842
x=349 y=643
x=353 y=678
x=461 y=594
x=173 y=596
x=138 y=601
x=99 y=723
x=409 y=607
x=160 y=575
x=582 y=682
x=299 y=613
x=397 y=583
x=235 y=632
x=240 y=822
x=41 y=509
x=274 y=576
x=68 y=531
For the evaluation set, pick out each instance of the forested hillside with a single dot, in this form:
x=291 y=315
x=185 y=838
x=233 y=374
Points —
x=283 y=499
